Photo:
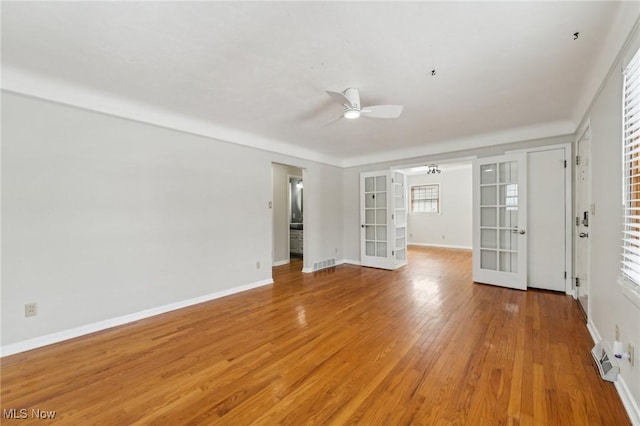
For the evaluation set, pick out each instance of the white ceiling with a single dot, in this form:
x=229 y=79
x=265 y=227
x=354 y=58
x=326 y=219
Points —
x=255 y=72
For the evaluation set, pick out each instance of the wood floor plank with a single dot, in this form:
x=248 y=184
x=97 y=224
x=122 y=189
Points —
x=346 y=345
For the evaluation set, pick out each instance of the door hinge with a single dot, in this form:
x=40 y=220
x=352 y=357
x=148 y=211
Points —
x=577 y=160
x=565 y=164
x=577 y=282
x=393 y=253
x=565 y=275
x=391 y=180
x=577 y=220
x=393 y=216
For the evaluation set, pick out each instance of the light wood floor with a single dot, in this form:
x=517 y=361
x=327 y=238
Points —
x=421 y=345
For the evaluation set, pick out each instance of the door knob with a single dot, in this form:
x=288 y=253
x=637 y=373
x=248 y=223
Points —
x=584 y=235
x=522 y=232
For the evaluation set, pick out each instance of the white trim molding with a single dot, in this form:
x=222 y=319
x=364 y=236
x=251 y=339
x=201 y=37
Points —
x=630 y=291
x=627 y=400
x=24 y=82
x=440 y=246
x=49 y=339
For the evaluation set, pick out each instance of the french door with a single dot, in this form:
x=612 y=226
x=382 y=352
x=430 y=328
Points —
x=499 y=220
x=383 y=219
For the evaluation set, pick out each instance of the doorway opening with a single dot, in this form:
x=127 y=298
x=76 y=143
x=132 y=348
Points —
x=287 y=215
x=439 y=204
x=296 y=217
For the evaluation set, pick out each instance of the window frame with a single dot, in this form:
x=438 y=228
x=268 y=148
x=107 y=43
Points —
x=630 y=142
x=438 y=199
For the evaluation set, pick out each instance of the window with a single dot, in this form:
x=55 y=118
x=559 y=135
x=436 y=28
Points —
x=425 y=199
x=631 y=170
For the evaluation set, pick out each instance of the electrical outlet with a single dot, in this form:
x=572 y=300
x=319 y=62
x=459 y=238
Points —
x=30 y=309
x=258 y=265
x=617 y=332
x=631 y=351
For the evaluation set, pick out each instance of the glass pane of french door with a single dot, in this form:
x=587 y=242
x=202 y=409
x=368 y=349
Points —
x=375 y=195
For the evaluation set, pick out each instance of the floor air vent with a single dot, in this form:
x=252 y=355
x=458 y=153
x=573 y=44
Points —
x=605 y=362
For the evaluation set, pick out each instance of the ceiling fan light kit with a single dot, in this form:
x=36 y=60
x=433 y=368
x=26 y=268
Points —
x=351 y=114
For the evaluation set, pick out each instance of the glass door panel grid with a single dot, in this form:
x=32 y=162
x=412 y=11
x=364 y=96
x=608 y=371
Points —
x=400 y=216
x=375 y=188
x=499 y=216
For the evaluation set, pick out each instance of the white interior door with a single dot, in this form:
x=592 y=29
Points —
x=375 y=218
x=547 y=218
x=499 y=220
x=583 y=202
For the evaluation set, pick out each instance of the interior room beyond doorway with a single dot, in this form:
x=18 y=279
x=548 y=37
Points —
x=288 y=214
x=440 y=204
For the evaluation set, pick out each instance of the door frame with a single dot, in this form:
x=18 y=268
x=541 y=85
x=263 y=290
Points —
x=586 y=130
x=568 y=208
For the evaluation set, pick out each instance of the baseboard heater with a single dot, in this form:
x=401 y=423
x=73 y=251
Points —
x=606 y=362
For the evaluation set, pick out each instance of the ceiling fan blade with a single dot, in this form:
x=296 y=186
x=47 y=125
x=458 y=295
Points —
x=340 y=97
x=332 y=120
x=382 y=111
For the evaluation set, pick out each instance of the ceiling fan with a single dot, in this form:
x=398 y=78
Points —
x=350 y=99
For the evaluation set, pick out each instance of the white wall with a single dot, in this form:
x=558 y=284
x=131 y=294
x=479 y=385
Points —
x=608 y=306
x=103 y=217
x=322 y=212
x=452 y=226
x=281 y=211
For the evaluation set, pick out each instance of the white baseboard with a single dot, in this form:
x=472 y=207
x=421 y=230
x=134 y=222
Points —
x=281 y=262
x=307 y=270
x=594 y=332
x=60 y=336
x=351 y=262
x=440 y=246
x=628 y=401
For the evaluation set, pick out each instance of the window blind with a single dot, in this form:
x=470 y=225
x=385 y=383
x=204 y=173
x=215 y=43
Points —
x=425 y=199
x=631 y=169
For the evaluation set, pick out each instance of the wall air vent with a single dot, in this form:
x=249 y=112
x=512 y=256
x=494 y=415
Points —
x=324 y=264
